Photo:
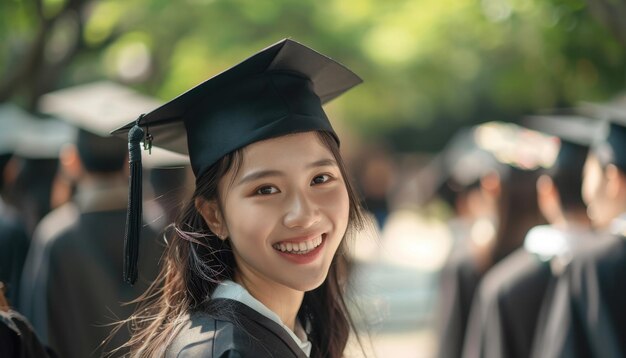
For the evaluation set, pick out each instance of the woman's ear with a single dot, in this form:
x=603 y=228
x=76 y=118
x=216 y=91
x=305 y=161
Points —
x=213 y=217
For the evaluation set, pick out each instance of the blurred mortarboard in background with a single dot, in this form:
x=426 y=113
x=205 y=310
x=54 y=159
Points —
x=13 y=119
x=611 y=146
x=516 y=146
x=458 y=167
x=99 y=106
x=28 y=136
x=96 y=107
x=576 y=133
x=474 y=152
x=43 y=138
x=465 y=162
x=277 y=91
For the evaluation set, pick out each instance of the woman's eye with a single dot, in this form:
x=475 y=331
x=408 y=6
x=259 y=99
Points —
x=321 y=179
x=266 y=190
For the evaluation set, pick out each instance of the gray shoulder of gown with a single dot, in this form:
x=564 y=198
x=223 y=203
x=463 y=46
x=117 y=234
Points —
x=237 y=331
x=33 y=284
x=458 y=280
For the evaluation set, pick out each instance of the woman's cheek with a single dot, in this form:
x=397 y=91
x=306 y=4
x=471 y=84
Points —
x=337 y=204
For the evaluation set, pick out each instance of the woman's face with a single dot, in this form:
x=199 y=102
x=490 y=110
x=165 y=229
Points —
x=285 y=211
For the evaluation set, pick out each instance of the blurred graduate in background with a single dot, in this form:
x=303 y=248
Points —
x=14 y=240
x=508 y=301
x=29 y=186
x=506 y=169
x=587 y=315
x=72 y=284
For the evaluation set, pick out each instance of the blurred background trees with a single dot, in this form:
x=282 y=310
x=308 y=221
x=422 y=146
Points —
x=430 y=66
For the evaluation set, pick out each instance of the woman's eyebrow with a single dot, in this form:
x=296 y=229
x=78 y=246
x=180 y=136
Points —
x=259 y=175
x=277 y=173
x=323 y=163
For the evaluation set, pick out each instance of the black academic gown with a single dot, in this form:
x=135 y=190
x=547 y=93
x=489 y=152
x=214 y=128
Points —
x=235 y=331
x=17 y=339
x=506 y=307
x=14 y=243
x=75 y=285
x=588 y=311
x=510 y=302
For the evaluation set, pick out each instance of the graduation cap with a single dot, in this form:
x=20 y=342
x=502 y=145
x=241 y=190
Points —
x=278 y=91
x=99 y=106
x=516 y=146
x=576 y=134
x=457 y=168
x=611 y=145
x=13 y=119
x=22 y=134
x=33 y=144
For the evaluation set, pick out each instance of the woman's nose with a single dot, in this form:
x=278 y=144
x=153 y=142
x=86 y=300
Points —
x=302 y=212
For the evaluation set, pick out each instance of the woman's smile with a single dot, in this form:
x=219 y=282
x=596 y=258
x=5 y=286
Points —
x=301 y=251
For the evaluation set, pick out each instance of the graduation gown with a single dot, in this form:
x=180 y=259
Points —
x=75 y=286
x=588 y=312
x=510 y=300
x=14 y=243
x=506 y=307
x=235 y=331
x=17 y=339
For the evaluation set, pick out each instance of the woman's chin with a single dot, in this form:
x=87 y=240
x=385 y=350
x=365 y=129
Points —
x=305 y=284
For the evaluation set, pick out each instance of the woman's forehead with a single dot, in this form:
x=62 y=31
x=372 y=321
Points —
x=293 y=149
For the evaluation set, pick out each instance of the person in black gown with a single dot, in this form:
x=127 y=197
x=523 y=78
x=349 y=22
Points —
x=13 y=237
x=587 y=314
x=72 y=291
x=508 y=302
x=28 y=185
x=490 y=239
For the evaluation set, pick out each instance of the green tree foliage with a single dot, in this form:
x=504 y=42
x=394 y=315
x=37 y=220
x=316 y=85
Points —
x=429 y=66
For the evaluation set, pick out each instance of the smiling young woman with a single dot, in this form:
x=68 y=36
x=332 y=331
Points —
x=254 y=263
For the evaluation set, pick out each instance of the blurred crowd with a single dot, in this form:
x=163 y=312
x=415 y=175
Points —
x=529 y=257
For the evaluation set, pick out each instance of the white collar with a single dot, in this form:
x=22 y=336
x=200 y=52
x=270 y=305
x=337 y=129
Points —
x=547 y=241
x=232 y=290
x=618 y=225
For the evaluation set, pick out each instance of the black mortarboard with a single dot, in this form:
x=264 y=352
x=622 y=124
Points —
x=278 y=91
x=576 y=134
x=611 y=146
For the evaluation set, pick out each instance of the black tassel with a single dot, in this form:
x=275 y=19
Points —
x=134 y=214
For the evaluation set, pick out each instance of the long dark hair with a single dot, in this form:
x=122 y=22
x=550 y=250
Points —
x=196 y=261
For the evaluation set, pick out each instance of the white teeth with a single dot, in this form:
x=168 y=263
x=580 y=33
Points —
x=301 y=248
